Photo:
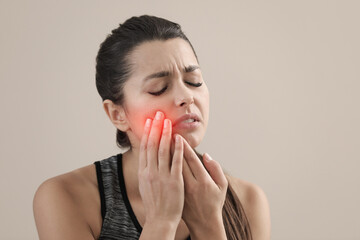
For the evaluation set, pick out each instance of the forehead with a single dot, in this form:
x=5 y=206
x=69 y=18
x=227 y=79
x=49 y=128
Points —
x=169 y=55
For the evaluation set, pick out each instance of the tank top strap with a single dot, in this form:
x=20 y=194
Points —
x=117 y=222
x=119 y=219
x=101 y=188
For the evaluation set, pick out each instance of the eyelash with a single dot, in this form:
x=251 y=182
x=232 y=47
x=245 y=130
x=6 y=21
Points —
x=163 y=90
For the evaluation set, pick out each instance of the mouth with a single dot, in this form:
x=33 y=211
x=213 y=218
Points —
x=188 y=122
x=189 y=118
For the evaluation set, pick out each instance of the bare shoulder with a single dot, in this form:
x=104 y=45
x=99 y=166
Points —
x=67 y=206
x=256 y=206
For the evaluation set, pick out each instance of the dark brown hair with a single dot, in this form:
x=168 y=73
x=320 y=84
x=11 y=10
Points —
x=112 y=71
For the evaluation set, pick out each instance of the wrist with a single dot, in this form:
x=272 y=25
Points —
x=204 y=222
x=212 y=229
x=160 y=223
x=159 y=228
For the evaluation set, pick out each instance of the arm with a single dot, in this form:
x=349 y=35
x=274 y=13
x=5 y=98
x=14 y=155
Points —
x=257 y=210
x=256 y=207
x=213 y=230
x=158 y=230
x=56 y=213
x=258 y=213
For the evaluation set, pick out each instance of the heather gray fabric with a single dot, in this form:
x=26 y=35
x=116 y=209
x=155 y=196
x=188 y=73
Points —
x=119 y=220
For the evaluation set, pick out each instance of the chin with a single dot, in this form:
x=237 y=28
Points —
x=194 y=139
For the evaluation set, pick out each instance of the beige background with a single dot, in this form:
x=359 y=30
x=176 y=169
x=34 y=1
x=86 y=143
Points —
x=284 y=88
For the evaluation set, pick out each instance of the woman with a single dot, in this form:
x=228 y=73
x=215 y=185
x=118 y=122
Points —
x=150 y=81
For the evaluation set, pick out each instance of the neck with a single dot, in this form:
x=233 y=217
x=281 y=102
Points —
x=130 y=172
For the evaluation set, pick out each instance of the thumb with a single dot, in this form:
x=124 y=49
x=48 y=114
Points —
x=215 y=171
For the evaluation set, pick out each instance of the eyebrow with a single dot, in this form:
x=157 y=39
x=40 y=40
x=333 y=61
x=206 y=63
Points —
x=187 y=69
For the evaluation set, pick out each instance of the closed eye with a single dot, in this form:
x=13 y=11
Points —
x=163 y=90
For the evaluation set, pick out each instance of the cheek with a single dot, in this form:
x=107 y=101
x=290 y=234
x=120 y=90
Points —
x=205 y=104
x=205 y=99
x=138 y=117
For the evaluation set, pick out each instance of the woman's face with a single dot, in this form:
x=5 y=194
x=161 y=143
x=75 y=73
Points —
x=167 y=68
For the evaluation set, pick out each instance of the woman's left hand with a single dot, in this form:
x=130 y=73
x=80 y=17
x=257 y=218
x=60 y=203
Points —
x=205 y=191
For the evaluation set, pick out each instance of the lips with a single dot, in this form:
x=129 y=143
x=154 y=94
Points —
x=187 y=116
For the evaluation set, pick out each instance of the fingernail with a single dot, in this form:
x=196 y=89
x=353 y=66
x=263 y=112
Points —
x=208 y=157
x=177 y=138
x=158 y=115
x=148 y=121
x=166 y=123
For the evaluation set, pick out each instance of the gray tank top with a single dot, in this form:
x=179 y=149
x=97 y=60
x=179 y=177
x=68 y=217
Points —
x=119 y=220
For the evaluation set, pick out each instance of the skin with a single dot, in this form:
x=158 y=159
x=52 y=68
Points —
x=162 y=185
x=157 y=171
x=178 y=99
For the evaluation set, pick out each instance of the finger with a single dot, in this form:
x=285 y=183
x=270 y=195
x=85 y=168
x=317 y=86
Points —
x=153 y=142
x=172 y=147
x=164 y=147
x=178 y=156
x=194 y=163
x=172 y=150
x=189 y=178
x=215 y=171
x=143 y=144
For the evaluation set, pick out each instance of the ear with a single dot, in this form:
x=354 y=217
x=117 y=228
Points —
x=117 y=115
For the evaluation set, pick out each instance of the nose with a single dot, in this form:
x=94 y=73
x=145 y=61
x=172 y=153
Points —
x=186 y=102
x=184 y=96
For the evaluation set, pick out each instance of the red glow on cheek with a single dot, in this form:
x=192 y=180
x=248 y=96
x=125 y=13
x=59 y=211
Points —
x=139 y=117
